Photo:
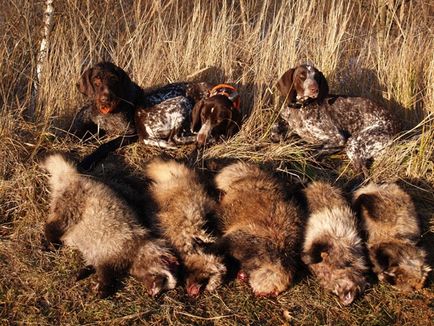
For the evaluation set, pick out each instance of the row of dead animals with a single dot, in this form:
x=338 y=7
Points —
x=260 y=229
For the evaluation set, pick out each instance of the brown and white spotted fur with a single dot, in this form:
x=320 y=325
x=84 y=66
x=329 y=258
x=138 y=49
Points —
x=261 y=230
x=161 y=118
x=356 y=125
x=164 y=120
x=332 y=247
x=392 y=231
x=87 y=215
x=183 y=209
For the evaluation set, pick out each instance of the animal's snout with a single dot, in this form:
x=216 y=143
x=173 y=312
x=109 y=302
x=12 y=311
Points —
x=313 y=89
x=204 y=132
x=201 y=139
x=106 y=96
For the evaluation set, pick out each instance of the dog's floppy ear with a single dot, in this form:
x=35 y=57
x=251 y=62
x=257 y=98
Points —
x=234 y=124
x=123 y=76
x=129 y=89
x=323 y=86
x=195 y=116
x=84 y=85
x=286 y=85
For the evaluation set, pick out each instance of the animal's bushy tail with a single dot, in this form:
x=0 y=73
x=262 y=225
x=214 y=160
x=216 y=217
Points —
x=166 y=172
x=62 y=172
x=321 y=195
x=235 y=172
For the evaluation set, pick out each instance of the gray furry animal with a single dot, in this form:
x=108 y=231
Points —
x=87 y=215
x=356 y=125
x=183 y=207
x=332 y=247
x=392 y=231
x=261 y=230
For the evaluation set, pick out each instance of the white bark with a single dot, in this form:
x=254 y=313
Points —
x=43 y=48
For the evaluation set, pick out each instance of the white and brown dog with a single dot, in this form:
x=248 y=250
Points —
x=356 y=125
x=174 y=121
x=217 y=115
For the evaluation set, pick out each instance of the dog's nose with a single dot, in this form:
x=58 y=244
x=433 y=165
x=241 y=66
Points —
x=313 y=89
x=105 y=97
x=201 y=139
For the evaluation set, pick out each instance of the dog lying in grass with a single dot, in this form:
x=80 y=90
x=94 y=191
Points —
x=355 y=125
x=332 y=248
x=113 y=98
x=183 y=208
x=87 y=215
x=166 y=117
x=392 y=231
x=260 y=230
x=209 y=112
x=218 y=115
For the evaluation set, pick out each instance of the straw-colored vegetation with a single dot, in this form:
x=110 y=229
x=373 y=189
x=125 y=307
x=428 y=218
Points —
x=381 y=49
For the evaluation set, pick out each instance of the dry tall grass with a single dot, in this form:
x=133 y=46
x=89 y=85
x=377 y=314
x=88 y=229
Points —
x=382 y=49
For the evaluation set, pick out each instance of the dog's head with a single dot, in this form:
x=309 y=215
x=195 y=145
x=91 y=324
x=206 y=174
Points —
x=217 y=115
x=303 y=83
x=108 y=85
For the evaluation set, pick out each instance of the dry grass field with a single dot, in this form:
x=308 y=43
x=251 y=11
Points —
x=381 y=49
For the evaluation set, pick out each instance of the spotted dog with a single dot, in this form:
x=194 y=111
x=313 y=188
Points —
x=164 y=120
x=356 y=125
x=160 y=116
x=193 y=107
x=218 y=115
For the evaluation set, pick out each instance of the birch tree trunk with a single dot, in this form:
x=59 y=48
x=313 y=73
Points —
x=42 y=53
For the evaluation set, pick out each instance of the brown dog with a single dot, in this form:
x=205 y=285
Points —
x=113 y=98
x=164 y=120
x=354 y=124
x=191 y=107
x=218 y=115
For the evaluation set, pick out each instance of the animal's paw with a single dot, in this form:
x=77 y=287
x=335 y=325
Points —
x=105 y=290
x=85 y=272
